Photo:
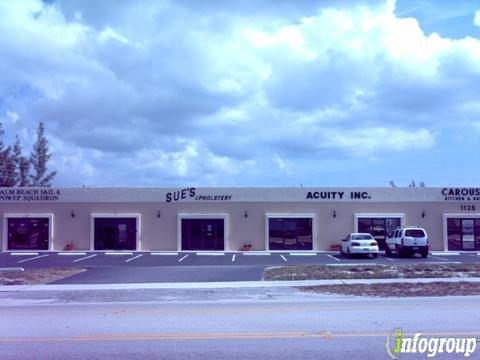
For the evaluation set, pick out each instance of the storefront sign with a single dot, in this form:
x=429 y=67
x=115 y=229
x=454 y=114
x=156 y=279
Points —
x=29 y=194
x=190 y=193
x=461 y=194
x=337 y=195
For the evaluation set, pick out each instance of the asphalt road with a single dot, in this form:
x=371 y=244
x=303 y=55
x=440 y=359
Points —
x=137 y=267
x=288 y=326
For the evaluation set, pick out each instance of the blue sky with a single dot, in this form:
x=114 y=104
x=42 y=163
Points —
x=246 y=93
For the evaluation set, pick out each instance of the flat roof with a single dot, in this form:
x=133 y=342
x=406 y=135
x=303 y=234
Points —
x=241 y=194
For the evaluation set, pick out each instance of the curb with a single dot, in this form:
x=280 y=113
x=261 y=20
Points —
x=224 y=285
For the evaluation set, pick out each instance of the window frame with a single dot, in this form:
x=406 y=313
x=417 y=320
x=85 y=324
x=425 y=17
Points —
x=220 y=216
x=312 y=216
x=30 y=215
x=137 y=216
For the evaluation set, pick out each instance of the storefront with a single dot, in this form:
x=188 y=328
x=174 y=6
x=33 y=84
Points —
x=231 y=219
x=462 y=232
x=378 y=225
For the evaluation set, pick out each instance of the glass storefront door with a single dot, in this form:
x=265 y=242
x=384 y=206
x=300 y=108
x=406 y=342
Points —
x=378 y=227
x=203 y=234
x=115 y=233
x=290 y=233
x=463 y=234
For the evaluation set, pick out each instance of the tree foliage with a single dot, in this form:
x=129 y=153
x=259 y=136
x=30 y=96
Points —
x=7 y=163
x=22 y=165
x=19 y=170
x=39 y=159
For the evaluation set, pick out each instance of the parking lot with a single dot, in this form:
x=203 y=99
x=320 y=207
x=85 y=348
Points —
x=148 y=259
x=153 y=267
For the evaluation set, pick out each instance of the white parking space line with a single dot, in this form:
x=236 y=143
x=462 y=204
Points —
x=164 y=253
x=257 y=253
x=73 y=253
x=133 y=258
x=445 y=262
x=25 y=254
x=284 y=258
x=119 y=253
x=13 y=269
x=233 y=258
x=439 y=258
x=36 y=257
x=85 y=258
x=302 y=254
x=450 y=253
x=388 y=259
x=182 y=258
x=210 y=253
x=333 y=257
x=352 y=264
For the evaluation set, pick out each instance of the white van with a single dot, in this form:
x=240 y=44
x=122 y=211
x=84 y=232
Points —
x=407 y=240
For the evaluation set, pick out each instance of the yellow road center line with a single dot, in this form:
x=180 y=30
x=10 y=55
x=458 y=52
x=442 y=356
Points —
x=223 y=336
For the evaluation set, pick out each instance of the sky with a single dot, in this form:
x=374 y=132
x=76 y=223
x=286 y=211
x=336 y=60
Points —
x=246 y=93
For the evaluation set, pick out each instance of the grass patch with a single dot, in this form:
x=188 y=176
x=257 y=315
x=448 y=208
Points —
x=399 y=289
x=36 y=276
x=323 y=272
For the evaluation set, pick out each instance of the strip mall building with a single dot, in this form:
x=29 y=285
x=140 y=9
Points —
x=227 y=219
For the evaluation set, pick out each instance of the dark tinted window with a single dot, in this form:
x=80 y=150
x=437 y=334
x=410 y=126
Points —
x=203 y=234
x=115 y=233
x=415 y=233
x=362 y=237
x=28 y=233
x=290 y=233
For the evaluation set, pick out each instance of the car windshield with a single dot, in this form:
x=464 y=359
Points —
x=415 y=233
x=362 y=237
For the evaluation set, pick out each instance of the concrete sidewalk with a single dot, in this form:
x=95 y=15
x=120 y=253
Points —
x=224 y=285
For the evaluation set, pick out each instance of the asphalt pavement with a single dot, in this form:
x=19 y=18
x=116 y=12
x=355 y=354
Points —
x=128 y=267
x=267 y=324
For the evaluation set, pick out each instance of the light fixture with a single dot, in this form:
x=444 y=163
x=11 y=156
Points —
x=158 y=213
x=72 y=214
x=423 y=213
x=245 y=214
x=334 y=214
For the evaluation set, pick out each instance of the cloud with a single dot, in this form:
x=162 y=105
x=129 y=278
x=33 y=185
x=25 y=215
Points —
x=476 y=18
x=237 y=93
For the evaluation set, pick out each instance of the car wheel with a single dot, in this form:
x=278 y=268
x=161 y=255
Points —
x=374 y=255
x=424 y=253
x=398 y=252
x=348 y=252
x=388 y=252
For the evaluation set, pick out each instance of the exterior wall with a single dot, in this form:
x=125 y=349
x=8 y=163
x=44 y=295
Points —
x=160 y=233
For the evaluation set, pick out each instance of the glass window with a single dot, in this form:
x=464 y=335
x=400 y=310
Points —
x=454 y=234
x=463 y=234
x=362 y=237
x=28 y=233
x=379 y=228
x=290 y=233
x=203 y=234
x=414 y=233
x=115 y=233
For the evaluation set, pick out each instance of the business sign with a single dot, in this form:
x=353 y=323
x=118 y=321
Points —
x=29 y=194
x=190 y=194
x=461 y=194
